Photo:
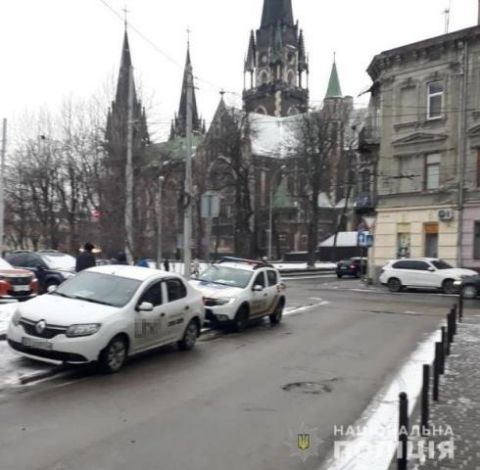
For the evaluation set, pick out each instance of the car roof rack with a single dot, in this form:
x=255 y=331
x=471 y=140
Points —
x=252 y=262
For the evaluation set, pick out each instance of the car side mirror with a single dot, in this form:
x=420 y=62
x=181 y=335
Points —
x=257 y=288
x=145 y=307
x=51 y=288
x=431 y=269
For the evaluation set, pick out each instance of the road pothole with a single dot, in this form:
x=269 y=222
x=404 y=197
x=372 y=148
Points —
x=311 y=388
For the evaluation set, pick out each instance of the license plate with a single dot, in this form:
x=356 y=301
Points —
x=21 y=288
x=37 y=344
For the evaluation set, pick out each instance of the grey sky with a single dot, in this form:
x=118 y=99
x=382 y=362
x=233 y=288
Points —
x=53 y=49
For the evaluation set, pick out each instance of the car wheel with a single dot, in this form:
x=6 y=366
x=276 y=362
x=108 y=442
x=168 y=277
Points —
x=114 y=355
x=339 y=276
x=51 y=282
x=276 y=316
x=469 y=291
x=394 y=284
x=449 y=287
x=189 y=337
x=240 y=321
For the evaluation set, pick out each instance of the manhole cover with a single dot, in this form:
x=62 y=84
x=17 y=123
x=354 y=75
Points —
x=313 y=388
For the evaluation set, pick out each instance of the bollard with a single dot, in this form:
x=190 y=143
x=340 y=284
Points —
x=446 y=344
x=454 y=321
x=460 y=306
x=402 y=450
x=440 y=357
x=449 y=328
x=436 y=376
x=425 y=400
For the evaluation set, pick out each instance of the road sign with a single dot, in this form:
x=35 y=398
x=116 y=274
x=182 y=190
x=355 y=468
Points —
x=365 y=239
x=210 y=205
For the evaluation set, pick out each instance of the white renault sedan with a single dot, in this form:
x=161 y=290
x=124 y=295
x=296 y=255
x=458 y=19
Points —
x=422 y=273
x=107 y=314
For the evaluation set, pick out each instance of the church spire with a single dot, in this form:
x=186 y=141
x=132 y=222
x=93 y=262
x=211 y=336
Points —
x=275 y=11
x=180 y=121
x=334 y=90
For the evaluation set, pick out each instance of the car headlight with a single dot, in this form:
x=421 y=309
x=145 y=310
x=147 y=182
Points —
x=223 y=300
x=83 y=330
x=16 y=318
x=67 y=274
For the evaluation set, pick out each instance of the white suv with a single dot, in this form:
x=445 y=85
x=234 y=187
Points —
x=106 y=314
x=237 y=290
x=422 y=273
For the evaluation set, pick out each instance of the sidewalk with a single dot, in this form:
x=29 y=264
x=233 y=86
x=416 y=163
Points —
x=459 y=406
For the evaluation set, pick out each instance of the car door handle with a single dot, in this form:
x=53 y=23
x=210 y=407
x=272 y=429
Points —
x=187 y=307
x=162 y=314
x=265 y=295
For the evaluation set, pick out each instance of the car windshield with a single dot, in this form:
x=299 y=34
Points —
x=99 y=288
x=60 y=261
x=226 y=276
x=440 y=264
x=5 y=264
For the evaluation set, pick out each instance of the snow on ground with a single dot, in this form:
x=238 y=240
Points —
x=6 y=311
x=13 y=366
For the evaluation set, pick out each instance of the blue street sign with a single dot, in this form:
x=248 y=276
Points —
x=365 y=239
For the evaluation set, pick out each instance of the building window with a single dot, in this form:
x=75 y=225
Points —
x=476 y=240
x=263 y=78
x=431 y=240
x=434 y=100
x=432 y=171
x=403 y=245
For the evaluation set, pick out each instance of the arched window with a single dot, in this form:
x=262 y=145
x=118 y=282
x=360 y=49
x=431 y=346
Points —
x=291 y=78
x=263 y=78
x=293 y=110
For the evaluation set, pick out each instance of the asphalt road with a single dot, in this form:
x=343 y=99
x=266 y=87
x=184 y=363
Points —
x=233 y=402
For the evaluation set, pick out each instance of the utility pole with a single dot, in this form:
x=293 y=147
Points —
x=187 y=222
x=129 y=173
x=161 y=179
x=2 y=184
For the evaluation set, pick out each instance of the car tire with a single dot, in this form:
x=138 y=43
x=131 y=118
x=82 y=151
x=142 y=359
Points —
x=469 y=291
x=339 y=276
x=113 y=357
x=240 y=321
x=187 y=343
x=51 y=282
x=448 y=286
x=394 y=284
x=276 y=317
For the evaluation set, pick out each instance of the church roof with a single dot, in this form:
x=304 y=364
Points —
x=275 y=11
x=334 y=90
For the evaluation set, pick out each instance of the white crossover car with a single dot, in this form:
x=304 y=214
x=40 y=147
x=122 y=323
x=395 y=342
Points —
x=107 y=314
x=237 y=290
x=430 y=273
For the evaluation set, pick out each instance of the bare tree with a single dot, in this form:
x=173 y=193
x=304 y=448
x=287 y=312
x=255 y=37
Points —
x=317 y=142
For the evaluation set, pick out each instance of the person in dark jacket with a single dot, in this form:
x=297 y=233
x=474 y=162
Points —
x=86 y=259
x=166 y=264
x=121 y=258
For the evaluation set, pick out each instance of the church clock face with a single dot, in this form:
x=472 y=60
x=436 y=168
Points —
x=264 y=59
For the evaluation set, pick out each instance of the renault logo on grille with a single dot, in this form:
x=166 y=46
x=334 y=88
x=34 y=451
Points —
x=40 y=326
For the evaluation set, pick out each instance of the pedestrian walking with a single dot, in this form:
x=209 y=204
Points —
x=166 y=264
x=86 y=259
x=121 y=258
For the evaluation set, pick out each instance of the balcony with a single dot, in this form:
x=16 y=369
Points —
x=370 y=136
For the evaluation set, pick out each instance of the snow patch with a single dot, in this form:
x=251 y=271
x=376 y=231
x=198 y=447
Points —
x=6 y=312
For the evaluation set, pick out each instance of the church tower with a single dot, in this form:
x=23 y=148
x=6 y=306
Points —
x=179 y=123
x=112 y=204
x=276 y=65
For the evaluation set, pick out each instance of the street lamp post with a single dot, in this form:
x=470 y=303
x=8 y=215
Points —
x=270 y=210
x=161 y=179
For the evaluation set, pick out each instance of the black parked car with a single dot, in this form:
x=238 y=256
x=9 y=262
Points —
x=352 y=267
x=469 y=286
x=51 y=267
